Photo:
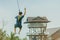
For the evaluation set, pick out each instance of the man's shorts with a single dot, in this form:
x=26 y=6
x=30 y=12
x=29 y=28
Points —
x=17 y=25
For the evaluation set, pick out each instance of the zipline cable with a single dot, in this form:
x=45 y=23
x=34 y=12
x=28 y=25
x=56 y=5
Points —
x=18 y=5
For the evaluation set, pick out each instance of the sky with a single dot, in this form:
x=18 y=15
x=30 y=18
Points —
x=9 y=9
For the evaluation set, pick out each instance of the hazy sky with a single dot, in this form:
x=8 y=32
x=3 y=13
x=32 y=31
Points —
x=9 y=9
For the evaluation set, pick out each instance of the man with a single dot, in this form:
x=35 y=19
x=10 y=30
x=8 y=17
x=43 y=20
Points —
x=19 y=21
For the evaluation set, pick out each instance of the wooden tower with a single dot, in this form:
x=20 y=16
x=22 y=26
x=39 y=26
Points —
x=37 y=27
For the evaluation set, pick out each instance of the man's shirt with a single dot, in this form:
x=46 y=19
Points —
x=19 y=20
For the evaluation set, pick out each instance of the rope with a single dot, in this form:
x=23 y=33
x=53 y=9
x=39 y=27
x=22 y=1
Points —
x=18 y=5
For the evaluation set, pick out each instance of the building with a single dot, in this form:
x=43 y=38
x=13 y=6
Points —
x=37 y=27
x=54 y=33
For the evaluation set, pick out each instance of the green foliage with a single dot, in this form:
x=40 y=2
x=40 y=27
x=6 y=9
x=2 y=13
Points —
x=2 y=35
x=12 y=36
x=25 y=38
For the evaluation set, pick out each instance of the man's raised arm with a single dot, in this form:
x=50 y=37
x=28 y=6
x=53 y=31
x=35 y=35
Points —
x=24 y=11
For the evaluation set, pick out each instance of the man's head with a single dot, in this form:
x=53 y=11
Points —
x=20 y=13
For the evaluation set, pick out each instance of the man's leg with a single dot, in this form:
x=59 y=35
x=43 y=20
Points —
x=19 y=30
x=14 y=30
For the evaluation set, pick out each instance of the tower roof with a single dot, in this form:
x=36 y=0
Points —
x=37 y=20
